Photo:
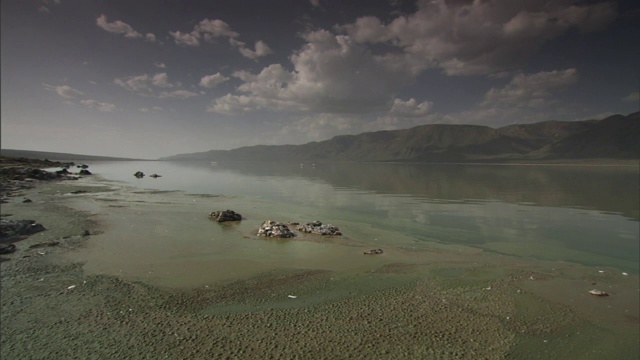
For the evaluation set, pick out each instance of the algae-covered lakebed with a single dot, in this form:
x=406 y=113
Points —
x=479 y=262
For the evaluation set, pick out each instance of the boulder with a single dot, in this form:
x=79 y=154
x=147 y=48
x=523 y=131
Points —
x=272 y=228
x=14 y=230
x=319 y=228
x=85 y=172
x=139 y=174
x=226 y=215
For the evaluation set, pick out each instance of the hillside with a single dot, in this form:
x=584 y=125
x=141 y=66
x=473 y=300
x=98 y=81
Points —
x=616 y=137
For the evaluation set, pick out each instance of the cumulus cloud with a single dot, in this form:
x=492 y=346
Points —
x=65 y=91
x=530 y=90
x=119 y=27
x=211 y=30
x=478 y=37
x=331 y=74
x=410 y=108
x=210 y=81
x=155 y=85
x=144 y=84
x=106 y=107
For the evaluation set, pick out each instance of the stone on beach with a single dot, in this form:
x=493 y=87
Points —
x=226 y=215
x=319 y=228
x=14 y=230
x=272 y=228
x=373 y=252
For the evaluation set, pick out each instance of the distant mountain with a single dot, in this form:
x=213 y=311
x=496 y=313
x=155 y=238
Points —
x=28 y=154
x=616 y=137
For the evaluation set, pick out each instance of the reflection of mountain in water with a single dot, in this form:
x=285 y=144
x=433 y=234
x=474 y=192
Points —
x=608 y=189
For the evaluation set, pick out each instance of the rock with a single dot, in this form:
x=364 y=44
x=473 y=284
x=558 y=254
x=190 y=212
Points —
x=272 y=228
x=27 y=201
x=155 y=176
x=85 y=172
x=226 y=215
x=598 y=292
x=63 y=171
x=373 y=252
x=83 y=166
x=7 y=248
x=13 y=230
x=44 y=244
x=139 y=174
x=317 y=227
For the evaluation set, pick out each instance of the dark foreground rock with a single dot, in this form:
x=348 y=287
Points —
x=14 y=230
x=272 y=228
x=319 y=228
x=226 y=215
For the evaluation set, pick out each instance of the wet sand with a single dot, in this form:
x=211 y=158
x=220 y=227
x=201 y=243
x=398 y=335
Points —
x=73 y=302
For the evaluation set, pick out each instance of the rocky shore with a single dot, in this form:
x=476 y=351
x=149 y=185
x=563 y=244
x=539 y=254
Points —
x=406 y=305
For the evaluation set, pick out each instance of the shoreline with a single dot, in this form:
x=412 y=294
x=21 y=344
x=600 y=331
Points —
x=457 y=307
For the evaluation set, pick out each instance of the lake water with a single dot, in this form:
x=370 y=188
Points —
x=581 y=214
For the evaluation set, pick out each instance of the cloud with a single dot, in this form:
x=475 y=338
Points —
x=179 y=94
x=65 y=91
x=530 y=90
x=210 y=30
x=210 y=81
x=70 y=93
x=160 y=65
x=145 y=84
x=331 y=74
x=155 y=85
x=106 y=107
x=119 y=27
x=633 y=97
x=477 y=37
x=410 y=108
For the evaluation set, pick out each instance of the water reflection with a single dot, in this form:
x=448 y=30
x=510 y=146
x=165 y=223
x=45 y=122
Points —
x=608 y=189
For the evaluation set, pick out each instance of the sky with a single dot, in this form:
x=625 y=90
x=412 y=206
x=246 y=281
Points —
x=149 y=78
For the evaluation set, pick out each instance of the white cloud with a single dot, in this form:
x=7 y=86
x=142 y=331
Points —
x=185 y=39
x=211 y=30
x=315 y=3
x=65 y=91
x=119 y=27
x=478 y=37
x=179 y=94
x=331 y=74
x=160 y=65
x=210 y=81
x=633 y=97
x=530 y=90
x=145 y=84
x=410 y=108
x=106 y=107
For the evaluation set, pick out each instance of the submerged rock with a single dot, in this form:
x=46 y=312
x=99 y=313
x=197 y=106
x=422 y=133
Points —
x=139 y=174
x=373 y=252
x=319 y=228
x=226 y=215
x=272 y=228
x=155 y=176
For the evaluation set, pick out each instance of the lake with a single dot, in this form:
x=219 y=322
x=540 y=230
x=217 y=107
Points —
x=587 y=215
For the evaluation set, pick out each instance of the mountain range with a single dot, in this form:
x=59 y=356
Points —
x=615 y=137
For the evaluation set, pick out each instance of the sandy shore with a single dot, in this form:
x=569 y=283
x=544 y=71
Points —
x=439 y=306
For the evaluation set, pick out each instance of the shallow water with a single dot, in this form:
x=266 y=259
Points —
x=581 y=214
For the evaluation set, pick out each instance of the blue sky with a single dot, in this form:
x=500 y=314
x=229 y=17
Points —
x=155 y=78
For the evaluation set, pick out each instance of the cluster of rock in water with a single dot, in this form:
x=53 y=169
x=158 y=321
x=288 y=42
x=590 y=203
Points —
x=319 y=228
x=271 y=228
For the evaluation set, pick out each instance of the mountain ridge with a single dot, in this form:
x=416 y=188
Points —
x=614 y=137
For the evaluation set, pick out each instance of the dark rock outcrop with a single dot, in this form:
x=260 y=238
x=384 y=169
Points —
x=14 y=230
x=319 y=228
x=139 y=174
x=272 y=228
x=85 y=172
x=224 y=216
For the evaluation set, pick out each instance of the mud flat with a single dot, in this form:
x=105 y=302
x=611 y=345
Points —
x=83 y=299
